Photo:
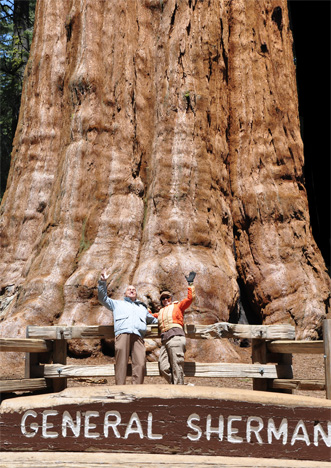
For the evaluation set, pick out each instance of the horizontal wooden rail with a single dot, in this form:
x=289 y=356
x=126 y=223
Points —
x=25 y=345
x=191 y=369
x=18 y=385
x=303 y=347
x=234 y=330
x=298 y=384
x=217 y=330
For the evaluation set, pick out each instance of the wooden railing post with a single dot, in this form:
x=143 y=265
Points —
x=259 y=355
x=31 y=360
x=285 y=361
x=59 y=357
x=34 y=359
x=327 y=356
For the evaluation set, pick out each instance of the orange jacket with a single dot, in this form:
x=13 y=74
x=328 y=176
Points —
x=173 y=314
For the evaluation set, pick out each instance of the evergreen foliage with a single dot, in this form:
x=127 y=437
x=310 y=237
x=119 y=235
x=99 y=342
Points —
x=16 y=28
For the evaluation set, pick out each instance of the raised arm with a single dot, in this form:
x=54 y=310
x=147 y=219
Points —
x=185 y=303
x=102 y=291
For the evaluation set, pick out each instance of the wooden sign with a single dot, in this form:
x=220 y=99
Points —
x=170 y=420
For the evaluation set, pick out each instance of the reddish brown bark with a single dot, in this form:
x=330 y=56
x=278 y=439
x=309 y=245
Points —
x=156 y=138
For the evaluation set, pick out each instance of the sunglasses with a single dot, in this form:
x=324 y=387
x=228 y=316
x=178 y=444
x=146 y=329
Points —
x=165 y=297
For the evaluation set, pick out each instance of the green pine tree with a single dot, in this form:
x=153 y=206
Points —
x=16 y=28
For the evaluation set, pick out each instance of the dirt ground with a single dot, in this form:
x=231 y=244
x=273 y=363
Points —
x=305 y=366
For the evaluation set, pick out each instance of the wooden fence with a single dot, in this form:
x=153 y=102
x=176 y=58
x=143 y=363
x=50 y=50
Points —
x=271 y=368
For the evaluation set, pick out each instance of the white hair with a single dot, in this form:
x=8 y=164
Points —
x=126 y=288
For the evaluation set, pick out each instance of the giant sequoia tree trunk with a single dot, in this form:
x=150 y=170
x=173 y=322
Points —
x=156 y=137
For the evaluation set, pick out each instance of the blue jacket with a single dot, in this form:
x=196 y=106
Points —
x=129 y=316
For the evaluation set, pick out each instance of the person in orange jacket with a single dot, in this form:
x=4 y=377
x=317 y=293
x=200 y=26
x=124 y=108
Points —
x=173 y=341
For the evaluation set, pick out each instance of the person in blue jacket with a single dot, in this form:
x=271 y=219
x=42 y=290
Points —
x=130 y=324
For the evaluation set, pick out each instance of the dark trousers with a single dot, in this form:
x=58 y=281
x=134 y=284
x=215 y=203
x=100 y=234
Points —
x=126 y=345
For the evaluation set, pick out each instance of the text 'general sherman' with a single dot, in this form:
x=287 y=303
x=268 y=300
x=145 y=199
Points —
x=234 y=429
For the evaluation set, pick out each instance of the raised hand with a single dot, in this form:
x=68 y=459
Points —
x=190 y=277
x=104 y=275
